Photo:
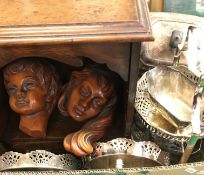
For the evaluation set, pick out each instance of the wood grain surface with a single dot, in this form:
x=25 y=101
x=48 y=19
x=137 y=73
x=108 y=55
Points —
x=28 y=22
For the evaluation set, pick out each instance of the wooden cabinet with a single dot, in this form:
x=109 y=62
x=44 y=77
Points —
x=65 y=31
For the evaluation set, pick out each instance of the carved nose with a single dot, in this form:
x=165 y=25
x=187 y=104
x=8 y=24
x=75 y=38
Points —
x=20 y=95
x=84 y=104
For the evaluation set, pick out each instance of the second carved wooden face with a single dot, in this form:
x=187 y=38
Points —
x=85 y=95
x=86 y=100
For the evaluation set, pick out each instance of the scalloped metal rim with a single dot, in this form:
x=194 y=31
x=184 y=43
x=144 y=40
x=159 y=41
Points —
x=39 y=159
x=124 y=146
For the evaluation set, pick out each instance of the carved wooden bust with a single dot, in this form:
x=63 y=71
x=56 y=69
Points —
x=33 y=87
x=88 y=96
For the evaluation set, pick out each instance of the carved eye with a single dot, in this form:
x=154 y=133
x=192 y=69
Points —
x=28 y=86
x=96 y=102
x=85 y=92
x=11 y=90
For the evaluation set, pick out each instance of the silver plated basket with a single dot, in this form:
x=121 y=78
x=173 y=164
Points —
x=39 y=159
x=170 y=117
x=126 y=153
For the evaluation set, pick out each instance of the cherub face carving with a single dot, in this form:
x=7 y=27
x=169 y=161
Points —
x=86 y=95
x=86 y=100
x=26 y=95
x=33 y=87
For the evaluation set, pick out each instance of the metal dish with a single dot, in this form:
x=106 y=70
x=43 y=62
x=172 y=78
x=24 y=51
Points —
x=164 y=100
x=39 y=159
x=172 y=91
x=126 y=153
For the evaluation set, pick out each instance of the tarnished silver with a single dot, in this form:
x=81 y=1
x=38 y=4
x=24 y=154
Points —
x=39 y=159
x=163 y=23
x=164 y=99
x=126 y=153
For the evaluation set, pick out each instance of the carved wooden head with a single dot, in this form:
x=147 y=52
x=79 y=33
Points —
x=33 y=87
x=86 y=94
x=90 y=94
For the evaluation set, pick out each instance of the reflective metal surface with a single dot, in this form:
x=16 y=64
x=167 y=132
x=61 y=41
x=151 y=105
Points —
x=38 y=160
x=164 y=100
x=126 y=153
x=172 y=91
x=163 y=23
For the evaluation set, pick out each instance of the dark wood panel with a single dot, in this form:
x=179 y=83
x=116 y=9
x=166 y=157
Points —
x=115 y=55
x=132 y=83
x=4 y=106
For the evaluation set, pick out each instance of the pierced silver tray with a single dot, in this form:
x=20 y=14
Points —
x=164 y=99
x=126 y=153
x=39 y=159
